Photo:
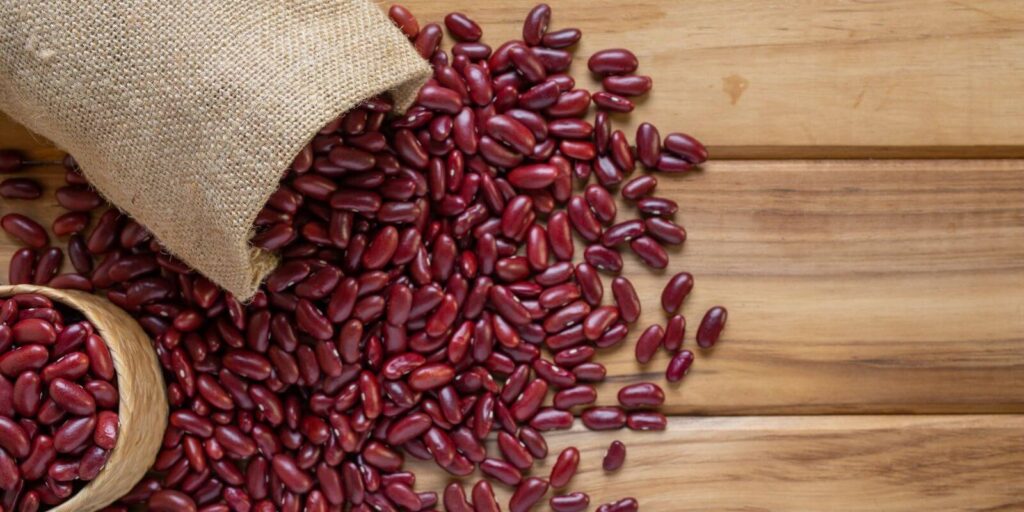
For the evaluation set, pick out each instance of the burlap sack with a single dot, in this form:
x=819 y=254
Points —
x=185 y=113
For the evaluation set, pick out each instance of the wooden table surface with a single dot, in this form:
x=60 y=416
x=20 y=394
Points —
x=864 y=223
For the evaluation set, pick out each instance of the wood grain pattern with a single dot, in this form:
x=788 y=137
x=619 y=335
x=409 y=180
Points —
x=849 y=463
x=853 y=286
x=809 y=79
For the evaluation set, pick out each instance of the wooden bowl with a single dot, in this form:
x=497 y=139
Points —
x=142 y=406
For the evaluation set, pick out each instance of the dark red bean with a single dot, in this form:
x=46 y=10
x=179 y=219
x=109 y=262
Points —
x=650 y=252
x=612 y=102
x=455 y=498
x=514 y=452
x=572 y=103
x=69 y=223
x=686 y=147
x=665 y=230
x=623 y=505
x=603 y=418
x=78 y=199
x=627 y=85
x=540 y=96
x=25 y=357
x=428 y=39
x=462 y=28
x=527 y=494
x=20 y=188
x=657 y=206
x=551 y=419
x=572 y=502
x=405 y=21
x=536 y=24
x=563 y=38
x=170 y=501
x=72 y=397
x=643 y=394
x=648 y=342
x=675 y=329
x=615 y=61
x=25 y=229
x=711 y=326
x=679 y=366
x=533 y=176
x=614 y=457
x=646 y=420
x=483 y=497
x=564 y=467
x=21 y=269
x=603 y=258
x=623 y=232
x=626 y=299
x=675 y=291
x=107 y=425
x=502 y=471
x=73 y=434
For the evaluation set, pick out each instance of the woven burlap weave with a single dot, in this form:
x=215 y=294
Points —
x=186 y=113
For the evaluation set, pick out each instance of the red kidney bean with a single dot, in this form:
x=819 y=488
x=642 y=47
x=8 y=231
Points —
x=665 y=230
x=536 y=24
x=72 y=397
x=657 y=206
x=614 y=457
x=514 y=452
x=711 y=326
x=20 y=188
x=71 y=366
x=642 y=394
x=534 y=176
x=675 y=292
x=565 y=467
x=649 y=251
x=616 y=61
x=502 y=471
x=171 y=501
x=623 y=505
x=405 y=21
x=107 y=425
x=563 y=38
x=646 y=420
x=78 y=199
x=648 y=343
x=540 y=96
x=527 y=64
x=73 y=434
x=24 y=229
x=462 y=27
x=612 y=102
x=69 y=223
x=572 y=502
x=26 y=395
x=551 y=419
x=483 y=497
x=626 y=299
x=627 y=85
x=527 y=494
x=572 y=103
x=603 y=258
x=22 y=266
x=34 y=330
x=603 y=418
x=686 y=147
x=25 y=357
x=601 y=202
x=679 y=366
x=623 y=232
x=427 y=40
x=599 y=320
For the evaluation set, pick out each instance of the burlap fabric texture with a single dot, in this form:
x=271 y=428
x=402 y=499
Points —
x=186 y=113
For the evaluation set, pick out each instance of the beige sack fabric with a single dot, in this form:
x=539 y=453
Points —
x=186 y=113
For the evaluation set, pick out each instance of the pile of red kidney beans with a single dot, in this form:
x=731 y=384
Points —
x=427 y=294
x=58 y=403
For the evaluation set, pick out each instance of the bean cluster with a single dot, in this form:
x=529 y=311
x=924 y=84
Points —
x=428 y=296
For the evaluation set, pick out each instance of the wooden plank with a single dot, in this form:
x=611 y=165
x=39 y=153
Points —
x=828 y=79
x=848 y=463
x=853 y=286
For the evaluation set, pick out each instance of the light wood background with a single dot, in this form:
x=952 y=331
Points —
x=874 y=357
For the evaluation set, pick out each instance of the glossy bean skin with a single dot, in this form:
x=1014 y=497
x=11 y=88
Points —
x=686 y=147
x=627 y=85
x=711 y=326
x=615 y=61
x=679 y=366
x=675 y=292
x=572 y=502
x=614 y=457
x=527 y=494
x=25 y=229
x=603 y=418
x=643 y=394
x=648 y=343
x=564 y=467
x=462 y=27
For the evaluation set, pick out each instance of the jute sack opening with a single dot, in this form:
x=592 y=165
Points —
x=185 y=114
